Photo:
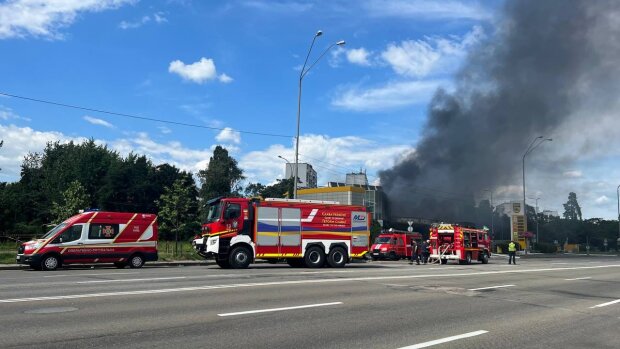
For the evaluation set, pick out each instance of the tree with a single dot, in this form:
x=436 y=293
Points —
x=178 y=210
x=221 y=177
x=74 y=198
x=253 y=189
x=572 y=210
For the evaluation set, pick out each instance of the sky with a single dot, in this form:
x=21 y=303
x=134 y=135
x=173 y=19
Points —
x=231 y=69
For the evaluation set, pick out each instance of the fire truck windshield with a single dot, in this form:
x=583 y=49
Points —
x=215 y=210
x=383 y=240
x=54 y=230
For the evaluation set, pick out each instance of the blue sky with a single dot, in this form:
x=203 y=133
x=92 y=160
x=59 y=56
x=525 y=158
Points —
x=233 y=65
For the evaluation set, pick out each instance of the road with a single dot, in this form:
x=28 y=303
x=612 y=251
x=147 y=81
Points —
x=539 y=303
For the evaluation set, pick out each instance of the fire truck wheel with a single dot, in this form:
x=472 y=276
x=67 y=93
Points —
x=468 y=258
x=136 y=261
x=337 y=257
x=240 y=258
x=50 y=262
x=315 y=257
x=444 y=261
x=485 y=258
x=222 y=263
x=393 y=256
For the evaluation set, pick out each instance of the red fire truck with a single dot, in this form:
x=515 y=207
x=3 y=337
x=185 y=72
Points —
x=95 y=237
x=303 y=232
x=394 y=245
x=454 y=242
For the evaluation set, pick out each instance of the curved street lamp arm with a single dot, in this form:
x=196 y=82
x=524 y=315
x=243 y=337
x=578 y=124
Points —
x=529 y=149
x=303 y=69
x=318 y=59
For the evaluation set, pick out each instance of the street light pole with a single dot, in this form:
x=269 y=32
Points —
x=303 y=73
x=618 y=240
x=531 y=148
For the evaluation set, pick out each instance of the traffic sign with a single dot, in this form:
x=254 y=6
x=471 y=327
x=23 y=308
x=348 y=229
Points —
x=410 y=229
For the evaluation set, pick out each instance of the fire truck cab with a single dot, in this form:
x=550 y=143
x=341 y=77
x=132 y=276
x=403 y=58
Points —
x=454 y=242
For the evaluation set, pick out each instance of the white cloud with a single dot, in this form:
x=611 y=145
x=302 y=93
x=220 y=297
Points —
x=96 y=121
x=602 y=200
x=228 y=135
x=573 y=174
x=18 y=142
x=389 y=96
x=134 y=24
x=431 y=55
x=157 y=18
x=331 y=157
x=8 y=114
x=427 y=9
x=358 y=56
x=279 y=7
x=225 y=78
x=197 y=72
x=165 y=130
x=45 y=18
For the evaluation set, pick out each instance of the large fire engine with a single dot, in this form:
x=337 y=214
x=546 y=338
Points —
x=303 y=232
x=394 y=245
x=454 y=242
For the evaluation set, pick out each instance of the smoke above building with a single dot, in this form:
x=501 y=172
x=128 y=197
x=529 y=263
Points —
x=550 y=68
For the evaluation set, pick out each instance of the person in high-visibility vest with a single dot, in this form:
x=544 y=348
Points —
x=512 y=252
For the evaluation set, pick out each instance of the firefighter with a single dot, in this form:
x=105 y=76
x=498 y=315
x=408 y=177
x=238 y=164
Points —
x=424 y=251
x=512 y=251
x=415 y=252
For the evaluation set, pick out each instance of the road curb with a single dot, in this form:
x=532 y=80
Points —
x=148 y=264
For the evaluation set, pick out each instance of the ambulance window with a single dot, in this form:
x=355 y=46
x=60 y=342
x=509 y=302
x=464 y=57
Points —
x=71 y=234
x=103 y=231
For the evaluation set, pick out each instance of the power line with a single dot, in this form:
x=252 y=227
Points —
x=58 y=104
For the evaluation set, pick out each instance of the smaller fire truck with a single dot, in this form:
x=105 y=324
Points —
x=454 y=242
x=95 y=237
x=307 y=233
x=394 y=245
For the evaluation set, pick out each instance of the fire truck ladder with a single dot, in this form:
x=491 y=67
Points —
x=442 y=251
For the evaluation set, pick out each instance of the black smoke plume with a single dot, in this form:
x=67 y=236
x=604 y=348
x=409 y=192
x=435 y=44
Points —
x=550 y=64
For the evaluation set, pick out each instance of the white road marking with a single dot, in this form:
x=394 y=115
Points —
x=279 y=309
x=490 y=287
x=295 y=282
x=445 y=340
x=583 y=278
x=560 y=263
x=129 y=280
x=91 y=274
x=605 y=304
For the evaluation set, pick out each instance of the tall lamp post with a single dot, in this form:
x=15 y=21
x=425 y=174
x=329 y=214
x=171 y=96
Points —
x=492 y=213
x=536 y=216
x=535 y=144
x=618 y=240
x=303 y=73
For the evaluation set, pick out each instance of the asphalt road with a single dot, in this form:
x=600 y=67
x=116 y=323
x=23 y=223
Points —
x=539 y=303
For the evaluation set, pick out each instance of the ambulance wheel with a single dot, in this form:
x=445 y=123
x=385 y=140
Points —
x=222 y=263
x=50 y=262
x=295 y=262
x=337 y=257
x=485 y=258
x=120 y=265
x=468 y=258
x=315 y=257
x=240 y=258
x=136 y=261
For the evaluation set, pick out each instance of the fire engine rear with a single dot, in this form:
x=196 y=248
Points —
x=454 y=242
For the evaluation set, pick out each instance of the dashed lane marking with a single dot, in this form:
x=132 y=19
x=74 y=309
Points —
x=605 y=304
x=280 y=309
x=445 y=340
x=490 y=287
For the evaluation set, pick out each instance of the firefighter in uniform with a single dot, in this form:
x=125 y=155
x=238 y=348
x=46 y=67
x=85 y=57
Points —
x=512 y=251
